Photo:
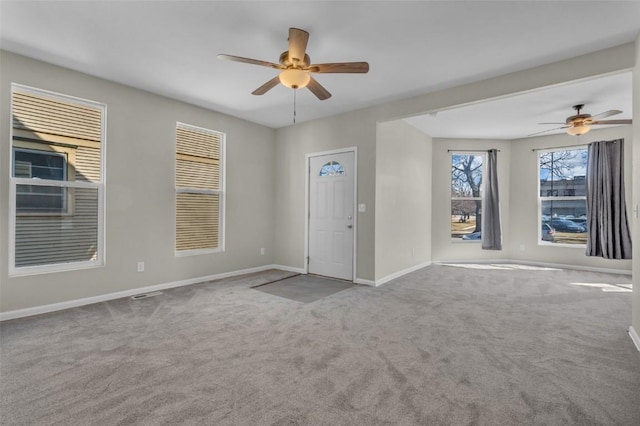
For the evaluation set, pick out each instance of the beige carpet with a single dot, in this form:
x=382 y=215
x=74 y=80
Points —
x=441 y=346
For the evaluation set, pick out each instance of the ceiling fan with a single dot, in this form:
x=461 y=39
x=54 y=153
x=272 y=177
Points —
x=296 y=68
x=579 y=124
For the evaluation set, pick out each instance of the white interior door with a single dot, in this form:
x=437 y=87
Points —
x=331 y=215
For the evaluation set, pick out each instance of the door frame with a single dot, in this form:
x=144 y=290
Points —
x=307 y=211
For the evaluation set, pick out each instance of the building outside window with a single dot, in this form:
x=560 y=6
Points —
x=563 y=195
x=36 y=164
x=56 y=183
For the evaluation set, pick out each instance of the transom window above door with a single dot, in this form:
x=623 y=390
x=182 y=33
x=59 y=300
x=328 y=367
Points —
x=332 y=168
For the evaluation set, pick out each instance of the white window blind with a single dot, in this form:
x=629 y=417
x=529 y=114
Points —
x=199 y=195
x=55 y=116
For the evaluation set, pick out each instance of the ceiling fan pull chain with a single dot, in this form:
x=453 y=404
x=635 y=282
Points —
x=294 y=106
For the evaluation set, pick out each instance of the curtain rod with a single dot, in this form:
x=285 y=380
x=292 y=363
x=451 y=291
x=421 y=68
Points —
x=470 y=150
x=568 y=146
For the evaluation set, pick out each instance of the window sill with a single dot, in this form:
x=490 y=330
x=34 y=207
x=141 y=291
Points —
x=197 y=252
x=548 y=244
x=57 y=267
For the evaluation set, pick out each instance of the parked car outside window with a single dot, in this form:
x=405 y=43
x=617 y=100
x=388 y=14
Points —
x=547 y=233
x=566 y=225
x=473 y=236
x=582 y=221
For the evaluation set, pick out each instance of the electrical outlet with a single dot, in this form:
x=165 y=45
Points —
x=140 y=266
x=262 y=251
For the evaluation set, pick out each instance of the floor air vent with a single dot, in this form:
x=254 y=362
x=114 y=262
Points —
x=145 y=295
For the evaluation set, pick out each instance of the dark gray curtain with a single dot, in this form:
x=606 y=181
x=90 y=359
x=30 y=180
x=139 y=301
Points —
x=609 y=236
x=491 y=230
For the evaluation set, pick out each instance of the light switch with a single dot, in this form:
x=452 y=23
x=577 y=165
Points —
x=362 y=208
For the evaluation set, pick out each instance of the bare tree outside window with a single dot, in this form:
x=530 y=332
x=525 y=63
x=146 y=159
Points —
x=466 y=195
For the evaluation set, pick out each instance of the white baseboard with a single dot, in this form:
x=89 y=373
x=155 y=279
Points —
x=36 y=310
x=398 y=274
x=465 y=261
x=289 y=269
x=634 y=337
x=534 y=263
x=365 y=282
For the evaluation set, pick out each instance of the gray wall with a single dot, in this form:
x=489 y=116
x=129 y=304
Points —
x=265 y=176
x=524 y=204
x=355 y=129
x=444 y=249
x=358 y=128
x=140 y=157
x=517 y=177
x=403 y=198
x=635 y=221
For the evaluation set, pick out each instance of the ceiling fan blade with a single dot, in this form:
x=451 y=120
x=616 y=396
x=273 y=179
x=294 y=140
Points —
x=548 y=130
x=627 y=121
x=552 y=123
x=297 y=45
x=607 y=113
x=267 y=86
x=340 y=67
x=317 y=89
x=249 y=61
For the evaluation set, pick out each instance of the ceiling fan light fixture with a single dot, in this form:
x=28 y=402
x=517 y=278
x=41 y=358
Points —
x=578 y=130
x=579 y=124
x=295 y=67
x=294 y=78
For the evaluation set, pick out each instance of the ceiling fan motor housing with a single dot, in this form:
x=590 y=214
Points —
x=580 y=124
x=578 y=119
x=284 y=60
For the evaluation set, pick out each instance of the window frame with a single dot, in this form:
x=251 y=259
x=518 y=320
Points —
x=17 y=140
x=221 y=192
x=69 y=172
x=482 y=154
x=63 y=155
x=541 y=198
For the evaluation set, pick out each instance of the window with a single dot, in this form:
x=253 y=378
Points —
x=199 y=190
x=40 y=165
x=466 y=196
x=57 y=185
x=332 y=168
x=562 y=196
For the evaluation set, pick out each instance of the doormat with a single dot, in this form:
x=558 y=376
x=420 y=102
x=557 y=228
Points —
x=304 y=288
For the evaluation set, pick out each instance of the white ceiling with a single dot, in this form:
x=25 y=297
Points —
x=520 y=115
x=170 y=48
